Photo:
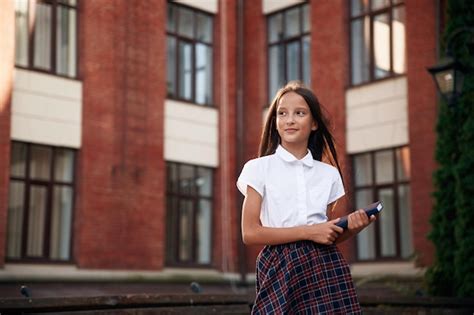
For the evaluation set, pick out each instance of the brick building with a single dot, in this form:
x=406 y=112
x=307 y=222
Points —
x=123 y=126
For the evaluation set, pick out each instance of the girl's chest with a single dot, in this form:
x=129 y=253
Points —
x=298 y=188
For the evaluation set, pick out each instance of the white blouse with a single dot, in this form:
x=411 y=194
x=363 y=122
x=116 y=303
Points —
x=294 y=192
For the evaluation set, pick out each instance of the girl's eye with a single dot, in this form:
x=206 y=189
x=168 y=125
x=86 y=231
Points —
x=300 y=113
x=281 y=113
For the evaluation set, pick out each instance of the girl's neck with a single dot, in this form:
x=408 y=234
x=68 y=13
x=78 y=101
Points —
x=299 y=151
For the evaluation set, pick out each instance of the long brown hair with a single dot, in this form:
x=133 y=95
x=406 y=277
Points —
x=320 y=141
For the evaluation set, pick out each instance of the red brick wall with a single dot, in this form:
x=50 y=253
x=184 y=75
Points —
x=330 y=74
x=422 y=116
x=226 y=217
x=7 y=51
x=119 y=220
x=255 y=90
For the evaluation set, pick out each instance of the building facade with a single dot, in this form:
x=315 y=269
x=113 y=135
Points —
x=124 y=125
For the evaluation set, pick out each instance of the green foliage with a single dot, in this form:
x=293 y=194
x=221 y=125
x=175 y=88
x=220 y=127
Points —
x=452 y=273
x=464 y=223
x=462 y=15
x=439 y=276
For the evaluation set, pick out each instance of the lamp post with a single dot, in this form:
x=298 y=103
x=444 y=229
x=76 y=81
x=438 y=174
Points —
x=449 y=74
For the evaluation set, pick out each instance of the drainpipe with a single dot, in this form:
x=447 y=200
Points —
x=240 y=133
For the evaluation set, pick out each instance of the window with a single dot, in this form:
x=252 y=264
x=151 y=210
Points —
x=45 y=36
x=40 y=204
x=289 y=44
x=190 y=54
x=377 y=39
x=384 y=175
x=189 y=214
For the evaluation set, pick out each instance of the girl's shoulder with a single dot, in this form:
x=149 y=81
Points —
x=258 y=164
x=326 y=168
x=260 y=160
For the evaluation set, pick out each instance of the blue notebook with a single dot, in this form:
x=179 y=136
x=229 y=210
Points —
x=371 y=209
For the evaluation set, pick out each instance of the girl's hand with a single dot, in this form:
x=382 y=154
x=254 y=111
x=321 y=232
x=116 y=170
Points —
x=324 y=233
x=358 y=220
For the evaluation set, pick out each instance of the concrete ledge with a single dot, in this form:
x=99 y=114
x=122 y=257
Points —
x=48 y=273
x=148 y=302
x=418 y=301
x=52 y=273
x=144 y=304
x=404 y=269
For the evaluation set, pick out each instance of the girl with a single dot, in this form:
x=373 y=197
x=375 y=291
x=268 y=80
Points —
x=288 y=191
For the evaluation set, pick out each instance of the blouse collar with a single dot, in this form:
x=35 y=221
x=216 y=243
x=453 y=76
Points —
x=288 y=157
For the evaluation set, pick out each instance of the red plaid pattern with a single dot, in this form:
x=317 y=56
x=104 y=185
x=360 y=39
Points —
x=304 y=278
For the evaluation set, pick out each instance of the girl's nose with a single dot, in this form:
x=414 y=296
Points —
x=290 y=120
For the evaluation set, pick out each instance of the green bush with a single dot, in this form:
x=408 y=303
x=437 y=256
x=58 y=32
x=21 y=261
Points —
x=440 y=274
x=452 y=273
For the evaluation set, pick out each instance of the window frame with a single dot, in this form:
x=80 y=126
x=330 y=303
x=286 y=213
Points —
x=172 y=221
x=55 y=4
x=194 y=42
x=286 y=40
x=371 y=14
x=375 y=189
x=50 y=185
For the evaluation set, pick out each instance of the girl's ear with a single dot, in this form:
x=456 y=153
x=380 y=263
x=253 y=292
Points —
x=314 y=126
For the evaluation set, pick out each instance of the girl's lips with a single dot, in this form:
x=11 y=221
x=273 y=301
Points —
x=291 y=129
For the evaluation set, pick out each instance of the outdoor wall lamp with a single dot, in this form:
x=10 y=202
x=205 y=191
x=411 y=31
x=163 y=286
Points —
x=449 y=74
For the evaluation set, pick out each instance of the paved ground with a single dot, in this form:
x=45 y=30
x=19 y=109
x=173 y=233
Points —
x=97 y=289
x=381 y=297
x=85 y=289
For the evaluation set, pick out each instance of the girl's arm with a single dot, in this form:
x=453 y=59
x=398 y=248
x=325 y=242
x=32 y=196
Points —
x=253 y=233
x=357 y=221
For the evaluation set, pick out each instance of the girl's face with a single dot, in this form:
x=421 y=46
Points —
x=294 y=120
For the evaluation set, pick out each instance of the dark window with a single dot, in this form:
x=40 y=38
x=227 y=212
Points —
x=189 y=214
x=377 y=39
x=46 y=36
x=190 y=54
x=40 y=203
x=289 y=44
x=384 y=175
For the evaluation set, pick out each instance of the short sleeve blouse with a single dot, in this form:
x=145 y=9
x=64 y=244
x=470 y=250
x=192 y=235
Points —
x=294 y=192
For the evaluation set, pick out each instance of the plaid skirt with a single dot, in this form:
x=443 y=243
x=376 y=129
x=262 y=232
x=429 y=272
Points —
x=304 y=278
